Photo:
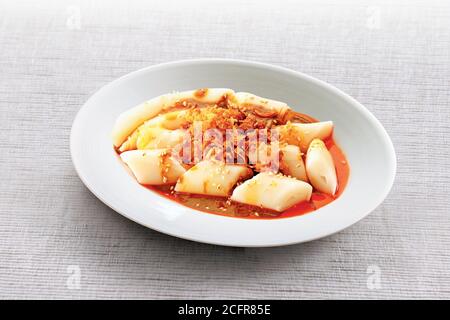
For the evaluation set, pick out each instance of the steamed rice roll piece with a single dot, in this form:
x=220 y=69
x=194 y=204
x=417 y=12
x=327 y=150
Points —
x=154 y=138
x=301 y=134
x=158 y=138
x=320 y=168
x=166 y=124
x=291 y=163
x=171 y=120
x=212 y=177
x=272 y=191
x=153 y=167
x=263 y=107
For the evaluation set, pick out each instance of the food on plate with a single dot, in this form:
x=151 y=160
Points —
x=320 y=168
x=234 y=154
x=272 y=191
x=128 y=121
x=301 y=134
x=153 y=167
x=212 y=177
x=292 y=162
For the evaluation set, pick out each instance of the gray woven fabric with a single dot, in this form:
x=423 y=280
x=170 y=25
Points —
x=58 y=241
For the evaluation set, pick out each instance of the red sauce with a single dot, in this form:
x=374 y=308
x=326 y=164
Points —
x=220 y=206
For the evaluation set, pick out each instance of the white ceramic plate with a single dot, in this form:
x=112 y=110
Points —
x=363 y=139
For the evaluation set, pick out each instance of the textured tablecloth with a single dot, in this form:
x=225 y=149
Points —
x=57 y=240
